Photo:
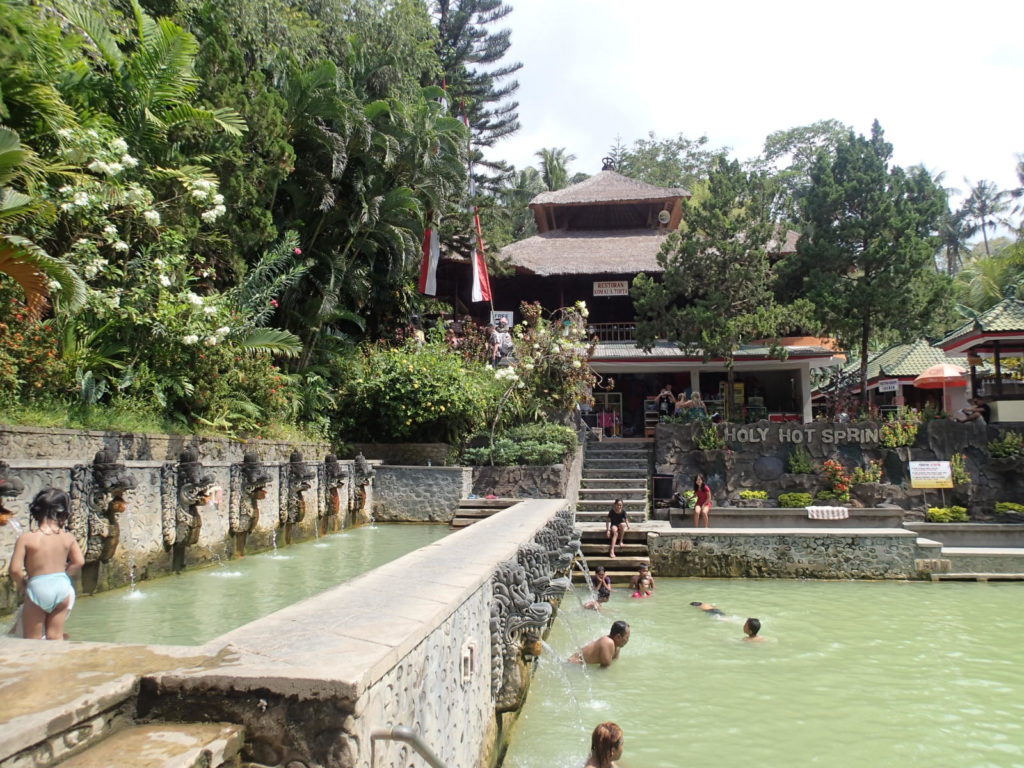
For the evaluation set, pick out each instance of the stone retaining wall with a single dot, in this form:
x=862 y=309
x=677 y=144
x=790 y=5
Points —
x=419 y=494
x=138 y=542
x=404 y=454
x=555 y=481
x=864 y=554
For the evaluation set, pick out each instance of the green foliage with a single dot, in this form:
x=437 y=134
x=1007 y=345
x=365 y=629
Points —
x=795 y=500
x=866 y=260
x=831 y=496
x=413 y=394
x=1009 y=445
x=674 y=162
x=872 y=473
x=799 y=462
x=895 y=434
x=1009 y=508
x=528 y=444
x=958 y=466
x=753 y=494
x=947 y=515
x=708 y=438
x=713 y=304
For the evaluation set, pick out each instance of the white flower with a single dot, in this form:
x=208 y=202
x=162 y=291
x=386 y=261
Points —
x=190 y=339
x=65 y=190
x=505 y=373
x=92 y=132
x=529 y=366
x=128 y=161
x=195 y=299
x=67 y=206
x=98 y=166
x=218 y=199
x=198 y=194
x=82 y=242
x=210 y=310
x=53 y=286
x=223 y=331
x=120 y=245
x=65 y=133
x=210 y=341
x=81 y=198
x=152 y=217
x=209 y=216
x=90 y=271
x=575 y=363
x=110 y=230
x=119 y=145
x=135 y=193
x=115 y=302
x=165 y=281
x=202 y=184
x=114 y=168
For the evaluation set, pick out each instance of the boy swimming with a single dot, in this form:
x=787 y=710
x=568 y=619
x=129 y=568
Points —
x=42 y=565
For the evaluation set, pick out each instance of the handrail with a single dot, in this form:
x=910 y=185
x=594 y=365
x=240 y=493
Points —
x=410 y=737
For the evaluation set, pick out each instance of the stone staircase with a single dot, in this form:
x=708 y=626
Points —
x=615 y=469
x=165 y=745
x=474 y=510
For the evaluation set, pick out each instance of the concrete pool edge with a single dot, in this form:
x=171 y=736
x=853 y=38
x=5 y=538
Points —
x=388 y=647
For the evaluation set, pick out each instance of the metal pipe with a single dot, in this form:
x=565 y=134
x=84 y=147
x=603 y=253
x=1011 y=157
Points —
x=405 y=734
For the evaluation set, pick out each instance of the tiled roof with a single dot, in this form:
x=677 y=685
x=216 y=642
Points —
x=903 y=360
x=608 y=187
x=1007 y=315
x=611 y=350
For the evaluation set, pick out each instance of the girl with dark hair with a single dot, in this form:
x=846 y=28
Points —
x=42 y=565
x=605 y=746
x=702 y=502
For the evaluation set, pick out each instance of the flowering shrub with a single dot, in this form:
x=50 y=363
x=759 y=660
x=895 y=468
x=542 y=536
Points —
x=872 y=473
x=958 y=466
x=708 y=438
x=838 y=478
x=415 y=394
x=1009 y=445
x=895 y=434
x=30 y=365
x=800 y=462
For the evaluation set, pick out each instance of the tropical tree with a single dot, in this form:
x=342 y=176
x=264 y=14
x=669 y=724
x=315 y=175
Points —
x=716 y=291
x=554 y=167
x=674 y=162
x=987 y=280
x=984 y=206
x=866 y=258
x=955 y=230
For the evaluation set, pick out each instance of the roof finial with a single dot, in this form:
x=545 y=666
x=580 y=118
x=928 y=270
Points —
x=607 y=164
x=1010 y=292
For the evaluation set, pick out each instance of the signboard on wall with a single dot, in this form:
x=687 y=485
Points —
x=508 y=315
x=611 y=288
x=930 y=474
x=889 y=385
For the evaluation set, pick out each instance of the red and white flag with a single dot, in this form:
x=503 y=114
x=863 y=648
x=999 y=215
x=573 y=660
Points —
x=481 y=280
x=428 y=268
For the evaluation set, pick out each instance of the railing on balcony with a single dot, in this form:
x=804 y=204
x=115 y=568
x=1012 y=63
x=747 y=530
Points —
x=612 y=331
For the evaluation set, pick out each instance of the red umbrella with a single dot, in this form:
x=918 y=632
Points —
x=941 y=376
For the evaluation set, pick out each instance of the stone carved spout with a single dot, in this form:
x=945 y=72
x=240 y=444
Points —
x=515 y=614
x=249 y=481
x=335 y=474
x=104 y=503
x=11 y=487
x=193 y=492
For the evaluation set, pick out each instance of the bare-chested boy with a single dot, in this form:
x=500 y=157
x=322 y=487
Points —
x=42 y=565
x=750 y=629
x=605 y=649
x=643 y=583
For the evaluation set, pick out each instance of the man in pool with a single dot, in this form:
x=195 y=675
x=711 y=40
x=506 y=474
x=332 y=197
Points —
x=605 y=649
x=708 y=608
x=750 y=629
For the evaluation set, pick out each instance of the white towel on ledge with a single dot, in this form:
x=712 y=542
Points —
x=827 y=513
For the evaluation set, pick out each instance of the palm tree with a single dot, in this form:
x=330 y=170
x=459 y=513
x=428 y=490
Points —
x=986 y=281
x=955 y=230
x=29 y=265
x=554 y=167
x=984 y=206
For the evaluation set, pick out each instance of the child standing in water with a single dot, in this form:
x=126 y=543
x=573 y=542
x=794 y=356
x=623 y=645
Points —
x=42 y=565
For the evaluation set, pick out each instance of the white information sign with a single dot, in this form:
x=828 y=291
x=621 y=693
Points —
x=889 y=385
x=931 y=474
x=509 y=315
x=611 y=288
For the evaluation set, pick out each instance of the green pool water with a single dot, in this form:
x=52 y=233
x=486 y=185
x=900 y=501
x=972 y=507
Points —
x=852 y=674
x=199 y=604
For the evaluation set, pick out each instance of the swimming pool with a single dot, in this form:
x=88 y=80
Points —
x=199 y=604
x=859 y=675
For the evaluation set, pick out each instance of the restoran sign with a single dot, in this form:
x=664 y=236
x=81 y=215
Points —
x=611 y=288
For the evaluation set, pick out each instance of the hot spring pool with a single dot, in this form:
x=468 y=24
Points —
x=852 y=674
x=200 y=604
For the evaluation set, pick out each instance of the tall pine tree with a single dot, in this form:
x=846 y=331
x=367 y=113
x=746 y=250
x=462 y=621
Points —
x=866 y=257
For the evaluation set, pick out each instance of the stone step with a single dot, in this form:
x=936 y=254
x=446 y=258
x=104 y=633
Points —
x=620 y=579
x=977 y=576
x=614 y=493
x=487 y=503
x=599 y=549
x=594 y=453
x=603 y=505
x=594 y=534
x=613 y=482
x=612 y=474
x=621 y=445
x=619 y=562
x=165 y=745
x=640 y=467
x=600 y=517
x=984 y=560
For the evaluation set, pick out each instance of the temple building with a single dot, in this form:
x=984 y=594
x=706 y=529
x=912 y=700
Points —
x=593 y=239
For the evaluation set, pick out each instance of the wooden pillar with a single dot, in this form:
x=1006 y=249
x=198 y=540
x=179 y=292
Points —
x=805 y=392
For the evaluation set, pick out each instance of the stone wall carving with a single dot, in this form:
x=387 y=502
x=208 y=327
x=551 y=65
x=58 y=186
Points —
x=104 y=502
x=249 y=481
x=193 y=486
x=333 y=477
x=514 y=613
x=11 y=486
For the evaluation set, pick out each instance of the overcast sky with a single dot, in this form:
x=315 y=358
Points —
x=943 y=78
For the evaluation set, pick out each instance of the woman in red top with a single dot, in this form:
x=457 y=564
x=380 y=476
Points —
x=702 y=504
